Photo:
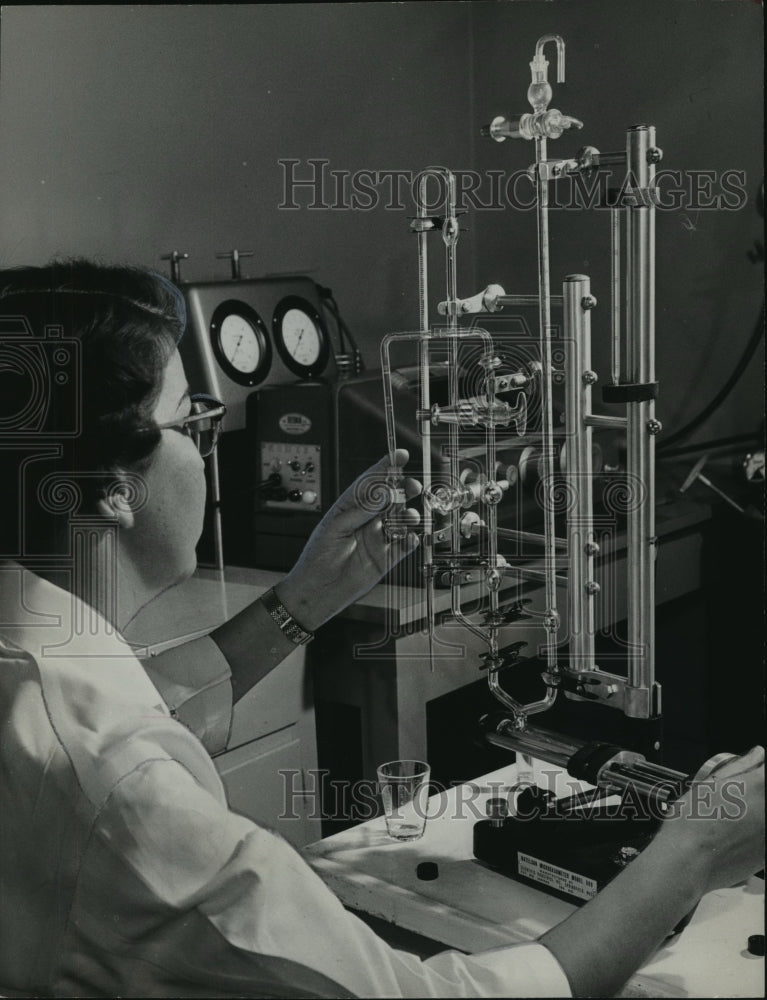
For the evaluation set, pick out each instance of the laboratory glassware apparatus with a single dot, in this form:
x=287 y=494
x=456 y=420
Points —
x=455 y=510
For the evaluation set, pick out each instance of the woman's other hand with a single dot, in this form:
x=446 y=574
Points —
x=720 y=820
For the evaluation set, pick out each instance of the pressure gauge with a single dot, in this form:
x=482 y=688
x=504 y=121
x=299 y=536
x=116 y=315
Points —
x=240 y=342
x=301 y=337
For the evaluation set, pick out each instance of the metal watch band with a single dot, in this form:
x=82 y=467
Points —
x=285 y=620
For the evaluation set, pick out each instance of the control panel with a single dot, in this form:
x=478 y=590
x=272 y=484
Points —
x=290 y=476
x=290 y=429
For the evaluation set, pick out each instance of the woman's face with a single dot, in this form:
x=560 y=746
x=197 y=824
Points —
x=168 y=526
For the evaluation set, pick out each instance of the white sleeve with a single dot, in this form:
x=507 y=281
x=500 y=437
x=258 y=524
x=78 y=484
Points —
x=195 y=682
x=236 y=894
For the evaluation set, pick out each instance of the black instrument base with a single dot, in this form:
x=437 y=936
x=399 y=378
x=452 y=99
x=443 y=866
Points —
x=571 y=857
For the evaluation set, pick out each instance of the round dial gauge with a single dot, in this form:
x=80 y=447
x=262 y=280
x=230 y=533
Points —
x=240 y=342
x=301 y=337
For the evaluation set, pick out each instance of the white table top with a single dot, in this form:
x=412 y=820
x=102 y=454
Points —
x=472 y=908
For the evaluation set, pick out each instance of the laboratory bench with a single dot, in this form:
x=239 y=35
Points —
x=471 y=908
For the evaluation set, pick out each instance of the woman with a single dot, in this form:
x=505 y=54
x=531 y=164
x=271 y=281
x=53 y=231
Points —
x=122 y=871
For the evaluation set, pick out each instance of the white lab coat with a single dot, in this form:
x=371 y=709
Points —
x=123 y=872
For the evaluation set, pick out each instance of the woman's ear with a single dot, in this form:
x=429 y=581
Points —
x=119 y=500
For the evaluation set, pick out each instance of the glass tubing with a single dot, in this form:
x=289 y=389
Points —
x=641 y=694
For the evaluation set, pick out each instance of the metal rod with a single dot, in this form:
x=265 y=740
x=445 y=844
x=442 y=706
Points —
x=615 y=282
x=579 y=473
x=425 y=397
x=427 y=521
x=707 y=482
x=215 y=491
x=640 y=361
x=657 y=783
x=536 y=574
x=660 y=788
x=538 y=743
x=604 y=421
x=526 y=300
x=610 y=159
x=656 y=771
x=547 y=414
x=551 y=617
x=522 y=536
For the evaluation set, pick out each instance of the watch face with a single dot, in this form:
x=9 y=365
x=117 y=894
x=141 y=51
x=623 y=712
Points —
x=240 y=342
x=301 y=337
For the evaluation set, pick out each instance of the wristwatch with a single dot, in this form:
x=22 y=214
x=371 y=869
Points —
x=287 y=623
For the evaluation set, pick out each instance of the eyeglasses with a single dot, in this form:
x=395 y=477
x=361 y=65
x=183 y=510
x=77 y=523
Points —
x=203 y=425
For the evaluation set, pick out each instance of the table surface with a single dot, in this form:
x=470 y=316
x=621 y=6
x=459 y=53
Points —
x=472 y=908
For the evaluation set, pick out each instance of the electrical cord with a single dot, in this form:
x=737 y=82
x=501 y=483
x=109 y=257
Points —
x=345 y=331
x=726 y=389
x=331 y=305
x=328 y=300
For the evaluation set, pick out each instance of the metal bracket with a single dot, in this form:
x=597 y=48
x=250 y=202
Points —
x=629 y=392
x=609 y=689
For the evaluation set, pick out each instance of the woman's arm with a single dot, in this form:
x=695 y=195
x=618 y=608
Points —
x=698 y=849
x=253 y=644
x=346 y=555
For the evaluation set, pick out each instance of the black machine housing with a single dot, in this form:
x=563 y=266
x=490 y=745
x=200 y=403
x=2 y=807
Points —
x=568 y=854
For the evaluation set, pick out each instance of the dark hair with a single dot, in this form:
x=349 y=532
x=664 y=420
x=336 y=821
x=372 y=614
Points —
x=83 y=349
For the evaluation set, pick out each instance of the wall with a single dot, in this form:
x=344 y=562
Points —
x=694 y=70
x=129 y=131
